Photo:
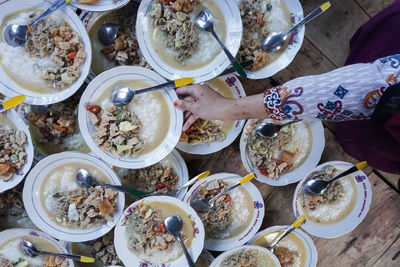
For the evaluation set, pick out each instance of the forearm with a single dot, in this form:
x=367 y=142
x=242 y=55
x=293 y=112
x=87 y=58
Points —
x=250 y=107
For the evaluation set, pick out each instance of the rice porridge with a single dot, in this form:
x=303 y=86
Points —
x=290 y=250
x=200 y=46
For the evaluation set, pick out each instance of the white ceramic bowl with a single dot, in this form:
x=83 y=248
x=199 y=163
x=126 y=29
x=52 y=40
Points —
x=352 y=220
x=9 y=88
x=234 y=27
x=311 y=250
x=130 y=259
x=95 y=90
x=17 y=178
x=314 y=156
x=13 y=233
x=223 y=256
x=36 y=211
x=202 y=149
x=102 y=5
x=255 y=222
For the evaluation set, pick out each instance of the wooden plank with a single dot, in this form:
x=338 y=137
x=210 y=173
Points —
x=373 y=7
x=391 y=257
x=252 y=87
x=371 y=239
x=331 y=31
x=393 y=179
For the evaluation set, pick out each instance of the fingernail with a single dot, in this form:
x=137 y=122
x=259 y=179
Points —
x=175 y=103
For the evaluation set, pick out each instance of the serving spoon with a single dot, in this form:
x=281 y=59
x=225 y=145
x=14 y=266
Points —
x=15 y=35
x=270 y=129
x=205 y=22
x=29 y=249
x=318 y=186
x=290 y=229
x=204 y=204
x=174 y=226
x=108 y=31
x=276 y=40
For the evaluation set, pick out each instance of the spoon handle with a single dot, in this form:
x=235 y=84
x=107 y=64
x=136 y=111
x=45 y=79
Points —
x=195 y=179
x=187 y=255
x=358 y=166
x=311 y=16
x=12 y=102
x=55 y=6
x=290 y=229
x=230 y=188
x=70 y=256
x=168 y=85
x=123 y=189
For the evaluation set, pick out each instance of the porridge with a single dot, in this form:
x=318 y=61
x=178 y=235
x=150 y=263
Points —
x=336 y=203
x=93 y=2
x=11 y=254
x=248 y=258
x=261 y=17
x=51 y=59
x=290 y=251
x=230 y=214
x=57 y=130
x=206 y=132
x=281 y=154
x=12 y=151
x=75 y=207
x=175 y=37
x=146 y=234
x=135 y=129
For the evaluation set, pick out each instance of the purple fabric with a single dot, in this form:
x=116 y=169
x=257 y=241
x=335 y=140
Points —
x=363 y=140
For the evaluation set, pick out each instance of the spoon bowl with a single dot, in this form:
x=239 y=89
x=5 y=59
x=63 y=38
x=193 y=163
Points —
x=107 y=32
x=270 y=129
x=15 y=35
x=122 y=96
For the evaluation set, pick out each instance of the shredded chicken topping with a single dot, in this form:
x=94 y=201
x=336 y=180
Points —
x=104 y=250
x=12 y=152
x=243 y=258
x=204 y=132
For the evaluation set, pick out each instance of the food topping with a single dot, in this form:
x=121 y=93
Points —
x=104 y=250
x=285 y=256
x=12 y=152
x=203 y=131
x=243 y=258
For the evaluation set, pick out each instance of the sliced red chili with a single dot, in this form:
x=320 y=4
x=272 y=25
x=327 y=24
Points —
x=93 y=108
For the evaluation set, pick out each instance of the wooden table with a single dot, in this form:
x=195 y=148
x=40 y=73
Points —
x=376 y=241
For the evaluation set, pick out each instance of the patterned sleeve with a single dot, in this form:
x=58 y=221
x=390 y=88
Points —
x=347 y=93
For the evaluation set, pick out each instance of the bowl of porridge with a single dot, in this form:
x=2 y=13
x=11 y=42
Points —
x=286 y=158
x=235 y=217
x=98 y=5
x=175 y=48
x=295 y=250
x=16 y=150
x=141 y=239
x=137 y=135
x=252 y=256
x=341 y=208
x=261 y=17
x=206 y=137
x=12 y=255
x=58 y=205
x=163 y=177
x=56 y=57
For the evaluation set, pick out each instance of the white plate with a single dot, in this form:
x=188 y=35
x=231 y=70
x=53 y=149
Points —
x=38 y=214
x=10 y=88
x=318 y=144
x=17 y=178
x=296 y=14
x=234 y=27
x=202 y=149
x=360 y=210
x=255 y=223
x=102 y=5
x=223 y=256
x=9 y=234
x=130 y=259
x=311 y=257
x=94 y=91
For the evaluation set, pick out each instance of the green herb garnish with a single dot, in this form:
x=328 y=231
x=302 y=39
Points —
x=269 y=6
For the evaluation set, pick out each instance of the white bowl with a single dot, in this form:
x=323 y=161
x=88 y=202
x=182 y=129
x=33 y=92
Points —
x=102 y=5
x=130 y=259
x=95 y=90
x=223 y=256
x=347 y=224
x=13 y=233
x=202 y=149
x=234 y=27
x=296 y=13
x=255 y=222
x=17 y=178
x=9 y=88
x=38 y=214
x=295 y=175
x=311 y=250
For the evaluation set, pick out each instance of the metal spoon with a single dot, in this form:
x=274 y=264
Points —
x=205 y=204
x=205 y=22
x=290 y=229
x=276 y=40
x=83 y=178
x=270 y=129
x=29 y=249
x=15 y=35
x=189 y=183
x=174 y=226
x=108 y=31
x=318 y=186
